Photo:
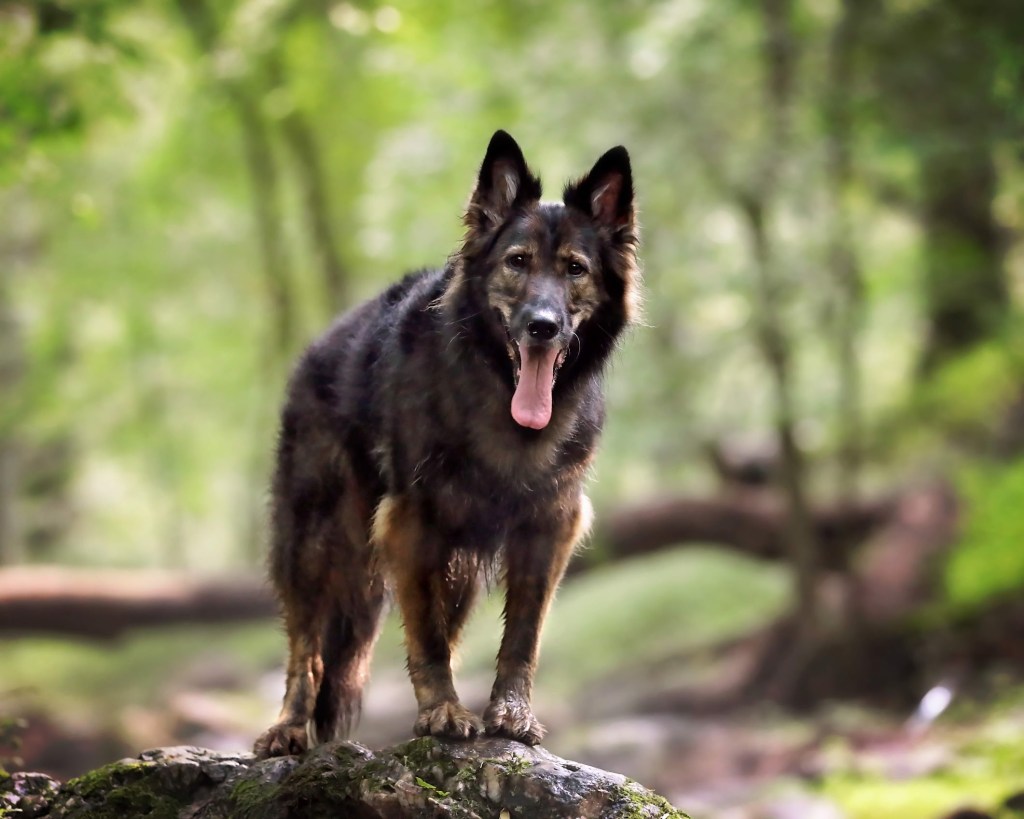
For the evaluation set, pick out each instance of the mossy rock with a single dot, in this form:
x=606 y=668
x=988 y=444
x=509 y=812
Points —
x=26 y=795
x=482 y=779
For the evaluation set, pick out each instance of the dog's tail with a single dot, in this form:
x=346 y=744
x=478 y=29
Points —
x=347 y=649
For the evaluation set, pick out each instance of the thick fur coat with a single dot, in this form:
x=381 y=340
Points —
x=443 y=428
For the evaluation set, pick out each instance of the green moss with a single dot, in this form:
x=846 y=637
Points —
x=469 y=772
x=633 y=802
x=417 y=754
x=375 y=776
x=330 y=780
x=319 y=777
x=114 y=773
x=347 y=754
x=119 y=789
x=433 y=788
x=514 y=765
x=424 y=755
x=250 y=796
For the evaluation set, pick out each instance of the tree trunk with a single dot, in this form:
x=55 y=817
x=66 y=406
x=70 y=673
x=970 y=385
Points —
x=965 y=291
x=11 y=547
x=846 y=274
x=267 y=219
x=307 y=158
x=951 y=121
x=848 y=287
x=775 y=351
x=264 y=179
x=779 y=55
x=12 y=368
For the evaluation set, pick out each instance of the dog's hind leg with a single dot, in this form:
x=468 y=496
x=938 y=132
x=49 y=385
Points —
x=357 y=592
x=435 y=592
x=304 y=626
x=349 y=638
x=535 y=560
x=307 y=495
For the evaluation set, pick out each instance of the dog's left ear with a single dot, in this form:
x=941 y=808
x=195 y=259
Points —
x=505 y=181
x=606 y=193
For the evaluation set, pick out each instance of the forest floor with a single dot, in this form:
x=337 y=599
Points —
x=618 y=637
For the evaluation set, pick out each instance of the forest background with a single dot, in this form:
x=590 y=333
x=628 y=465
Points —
x=832 y=200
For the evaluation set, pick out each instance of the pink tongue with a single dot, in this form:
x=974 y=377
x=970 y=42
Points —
x=531 y=405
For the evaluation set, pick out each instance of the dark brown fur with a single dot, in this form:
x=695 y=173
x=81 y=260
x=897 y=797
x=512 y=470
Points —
x=401 y=471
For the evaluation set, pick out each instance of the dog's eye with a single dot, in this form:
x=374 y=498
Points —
x=577 y=269
x=517 y=261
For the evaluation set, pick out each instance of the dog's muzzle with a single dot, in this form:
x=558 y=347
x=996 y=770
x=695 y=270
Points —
x=538 y=344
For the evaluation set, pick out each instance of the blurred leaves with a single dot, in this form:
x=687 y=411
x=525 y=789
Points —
x=133 y=267
x=989 y=560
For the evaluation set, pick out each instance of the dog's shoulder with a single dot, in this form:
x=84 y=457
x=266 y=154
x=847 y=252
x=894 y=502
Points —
x=426 y=283
x=339 y=367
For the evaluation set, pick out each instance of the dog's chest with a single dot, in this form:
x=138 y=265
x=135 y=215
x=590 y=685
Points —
x=465 y=498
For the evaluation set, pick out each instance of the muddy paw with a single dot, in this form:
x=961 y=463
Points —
x=449 y=719
x=513 y=718
x=282 y=739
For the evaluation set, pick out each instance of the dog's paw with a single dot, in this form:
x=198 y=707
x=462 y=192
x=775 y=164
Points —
x=512 y=718
x=449 y=719
x=282 y=739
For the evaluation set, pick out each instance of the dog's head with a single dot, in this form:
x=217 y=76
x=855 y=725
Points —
x=558 y=280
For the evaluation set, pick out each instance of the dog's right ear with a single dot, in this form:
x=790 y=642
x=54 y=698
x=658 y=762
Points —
x=504 y=183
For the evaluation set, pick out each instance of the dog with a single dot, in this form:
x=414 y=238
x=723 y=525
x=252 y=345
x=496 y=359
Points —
x=441 y=433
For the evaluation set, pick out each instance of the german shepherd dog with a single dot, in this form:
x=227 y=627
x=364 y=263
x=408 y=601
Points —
x=444 y=430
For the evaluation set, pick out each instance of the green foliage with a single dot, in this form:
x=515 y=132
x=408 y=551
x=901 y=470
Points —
x=97 y=679
x=988 y=560
x=143 y=321
x=960 y=399
x=433 y=788
x=957 y=409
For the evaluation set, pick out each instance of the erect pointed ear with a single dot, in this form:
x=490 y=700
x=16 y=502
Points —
x=606 y=193
x=504 y=182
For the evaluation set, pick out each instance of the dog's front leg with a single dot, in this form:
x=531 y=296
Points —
x=533 y=568
x=434 y=594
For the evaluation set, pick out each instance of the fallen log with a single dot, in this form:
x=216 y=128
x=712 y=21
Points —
x=752 y=522
x=104 y=603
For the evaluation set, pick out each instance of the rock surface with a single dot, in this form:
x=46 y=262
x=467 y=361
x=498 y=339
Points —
x=484 y=779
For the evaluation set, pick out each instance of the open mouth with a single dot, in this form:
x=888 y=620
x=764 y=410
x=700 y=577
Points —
x=534 y=369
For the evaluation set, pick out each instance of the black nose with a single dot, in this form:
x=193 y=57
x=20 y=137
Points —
x=542 y=329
